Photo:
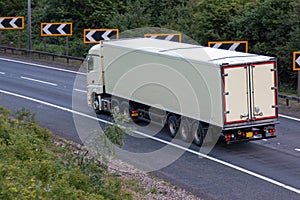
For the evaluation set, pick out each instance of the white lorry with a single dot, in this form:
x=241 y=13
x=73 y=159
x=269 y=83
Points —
x=186 y=87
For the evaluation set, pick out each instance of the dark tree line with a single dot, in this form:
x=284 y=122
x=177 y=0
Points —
x=272 y=27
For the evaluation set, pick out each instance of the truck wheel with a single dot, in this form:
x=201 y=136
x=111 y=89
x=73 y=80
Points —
x=96 y=105
x=125 y=109
x=198 y=133
x=172 y=125
x=115 y=106
x=184 y=130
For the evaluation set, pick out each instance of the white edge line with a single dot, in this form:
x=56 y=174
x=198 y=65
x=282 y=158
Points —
x=39 y=81
x=2 y=73
x=165 y=142
x=297 y=149
x=78 y=90
x=288 y=117
x=43 y=66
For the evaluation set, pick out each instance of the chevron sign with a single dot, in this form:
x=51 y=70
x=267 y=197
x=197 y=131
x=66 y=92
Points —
x=11 y=23
x=96 y=35
x=163 y=36
x=296 y=61
x=241 y=46
x=56 y=29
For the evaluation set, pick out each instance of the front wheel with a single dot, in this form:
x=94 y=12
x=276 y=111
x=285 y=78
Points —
x=96 y=105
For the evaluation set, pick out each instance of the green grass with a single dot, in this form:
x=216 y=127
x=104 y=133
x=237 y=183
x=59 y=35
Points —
x=33 y=167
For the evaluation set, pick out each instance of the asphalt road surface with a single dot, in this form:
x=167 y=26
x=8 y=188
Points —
x=266 y=169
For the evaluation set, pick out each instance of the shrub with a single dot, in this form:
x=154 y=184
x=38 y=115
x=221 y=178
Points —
x=32 y=167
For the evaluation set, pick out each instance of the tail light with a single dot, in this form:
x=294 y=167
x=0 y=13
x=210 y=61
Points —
x=134 y=113
x=272 y=131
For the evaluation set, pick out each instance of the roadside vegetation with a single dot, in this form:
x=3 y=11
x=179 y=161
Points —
x=36 y=165
x=272 y=27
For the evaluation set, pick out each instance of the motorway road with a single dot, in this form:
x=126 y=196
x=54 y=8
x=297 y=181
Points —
x=268 y=169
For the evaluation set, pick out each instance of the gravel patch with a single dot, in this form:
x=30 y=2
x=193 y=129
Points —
x=151 y=186
x=142 y=185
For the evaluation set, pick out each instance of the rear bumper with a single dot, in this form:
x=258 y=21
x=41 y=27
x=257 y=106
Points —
x=250 y=124
x=250 y=139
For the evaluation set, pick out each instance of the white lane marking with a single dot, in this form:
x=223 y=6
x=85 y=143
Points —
x=267 y=179
x=43 y=66
x=288 y=117
x=78 y=90
x=2 y=73
x=39 y=81
x=297 y=149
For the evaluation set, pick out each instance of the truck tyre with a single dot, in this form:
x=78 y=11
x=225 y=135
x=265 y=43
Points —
x=172 y=125
x=124 y=109
x=184 y=130
x=115 y=106
x=96 y=105
x=198 y=133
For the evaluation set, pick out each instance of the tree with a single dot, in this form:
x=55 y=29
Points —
x=212 y=20
x=267 y=25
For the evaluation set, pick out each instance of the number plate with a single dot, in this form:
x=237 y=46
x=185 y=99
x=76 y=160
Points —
x=249 y=134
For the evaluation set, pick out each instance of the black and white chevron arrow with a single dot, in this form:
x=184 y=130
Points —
x=169 y=37
x=241 y=46
x=11 y=23
x=296 y=61
x=56 y=29
x=97 y=35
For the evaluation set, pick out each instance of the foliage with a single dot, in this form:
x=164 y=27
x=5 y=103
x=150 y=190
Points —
x=115 y=131
x=33 y=167
x=271 y=26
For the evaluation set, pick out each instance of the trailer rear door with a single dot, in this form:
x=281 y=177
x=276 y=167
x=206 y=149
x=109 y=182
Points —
x=249 y=92
x=264 y=89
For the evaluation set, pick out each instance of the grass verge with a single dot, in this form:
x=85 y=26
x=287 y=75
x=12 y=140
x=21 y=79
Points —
x=34 y=166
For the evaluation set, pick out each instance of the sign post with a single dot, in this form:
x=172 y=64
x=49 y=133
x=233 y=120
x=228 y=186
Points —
x=92 y=36
x=57 y=29
x=165 y=36
x=241 y=46
x=11 y=23
x=296 y=67
x=298 y=83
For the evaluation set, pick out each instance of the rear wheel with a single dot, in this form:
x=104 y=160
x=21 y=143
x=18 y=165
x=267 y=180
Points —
x=115 y=106
x=124 y=109
x=184 y=130
x=198 y=133
x=172 y=125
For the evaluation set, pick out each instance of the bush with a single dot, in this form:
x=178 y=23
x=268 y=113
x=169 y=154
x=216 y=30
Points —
x=32 y=167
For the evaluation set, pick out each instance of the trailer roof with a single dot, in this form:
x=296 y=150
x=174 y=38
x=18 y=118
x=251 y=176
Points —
x=189 y=51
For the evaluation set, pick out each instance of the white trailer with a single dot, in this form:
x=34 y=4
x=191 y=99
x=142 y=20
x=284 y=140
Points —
x=188 y=87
